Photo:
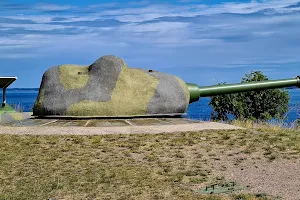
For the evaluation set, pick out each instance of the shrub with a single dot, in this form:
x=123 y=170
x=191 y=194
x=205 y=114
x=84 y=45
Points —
x=255 y=105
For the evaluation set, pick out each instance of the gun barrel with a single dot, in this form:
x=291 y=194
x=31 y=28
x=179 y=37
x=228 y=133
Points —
x=196 y=92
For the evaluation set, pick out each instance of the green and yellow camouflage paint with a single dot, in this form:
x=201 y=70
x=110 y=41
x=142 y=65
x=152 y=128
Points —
x=109 y=88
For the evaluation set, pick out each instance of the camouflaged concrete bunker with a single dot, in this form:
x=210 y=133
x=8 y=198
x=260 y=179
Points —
x=109 y=88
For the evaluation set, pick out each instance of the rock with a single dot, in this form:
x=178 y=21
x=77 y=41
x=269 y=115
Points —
x=109 y=88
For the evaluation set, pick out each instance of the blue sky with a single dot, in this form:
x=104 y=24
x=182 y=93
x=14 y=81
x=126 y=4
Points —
x=201 y=41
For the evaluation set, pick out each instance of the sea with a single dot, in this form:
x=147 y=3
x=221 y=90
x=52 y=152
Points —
x=200 y=110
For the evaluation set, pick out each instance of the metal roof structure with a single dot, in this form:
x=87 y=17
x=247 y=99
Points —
x=5 y=82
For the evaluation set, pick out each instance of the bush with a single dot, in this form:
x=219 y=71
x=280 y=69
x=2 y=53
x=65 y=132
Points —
x=255 y=105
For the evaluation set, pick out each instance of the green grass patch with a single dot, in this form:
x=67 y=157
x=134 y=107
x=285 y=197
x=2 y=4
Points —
x=6 y=109
x=161 y=166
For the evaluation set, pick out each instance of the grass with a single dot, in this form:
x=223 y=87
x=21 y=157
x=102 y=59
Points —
x=6 y=109
x=162 y=166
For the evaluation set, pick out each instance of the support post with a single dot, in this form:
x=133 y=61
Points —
x=4 y=97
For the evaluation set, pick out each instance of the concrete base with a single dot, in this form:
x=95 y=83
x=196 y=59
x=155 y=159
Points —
x=41 y=122
x=108 y=126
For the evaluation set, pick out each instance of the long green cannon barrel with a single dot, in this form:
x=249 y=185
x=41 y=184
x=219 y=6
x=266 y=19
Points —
x=196 y=92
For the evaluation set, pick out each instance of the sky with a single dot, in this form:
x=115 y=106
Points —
x=202 y=41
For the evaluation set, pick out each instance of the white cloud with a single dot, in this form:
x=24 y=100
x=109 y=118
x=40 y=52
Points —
x=204 y=33
x=161 y=27
x=52 y=7
x=34 y=27
x=33 y=18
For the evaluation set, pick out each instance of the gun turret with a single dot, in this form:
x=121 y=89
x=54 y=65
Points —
x=109 y=88
x=196 y=92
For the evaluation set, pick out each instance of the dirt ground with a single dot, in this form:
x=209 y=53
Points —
x=278 y=178
x=261 y=161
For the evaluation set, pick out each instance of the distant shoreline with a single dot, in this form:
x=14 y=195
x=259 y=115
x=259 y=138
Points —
x=18 y=89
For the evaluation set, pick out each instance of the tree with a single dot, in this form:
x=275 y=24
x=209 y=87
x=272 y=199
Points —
x=255 y=105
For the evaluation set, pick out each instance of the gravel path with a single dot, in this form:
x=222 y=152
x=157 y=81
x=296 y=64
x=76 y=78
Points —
x=278 y=178
x=154 y=129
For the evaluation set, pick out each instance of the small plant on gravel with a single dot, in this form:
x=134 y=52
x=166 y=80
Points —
x=17 y=107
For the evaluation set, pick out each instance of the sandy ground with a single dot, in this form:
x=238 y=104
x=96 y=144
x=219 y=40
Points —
x=153 y=129
x=279 y=178
x=258 y=175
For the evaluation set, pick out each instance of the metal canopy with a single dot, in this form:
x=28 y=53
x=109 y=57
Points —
x=4 y=83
